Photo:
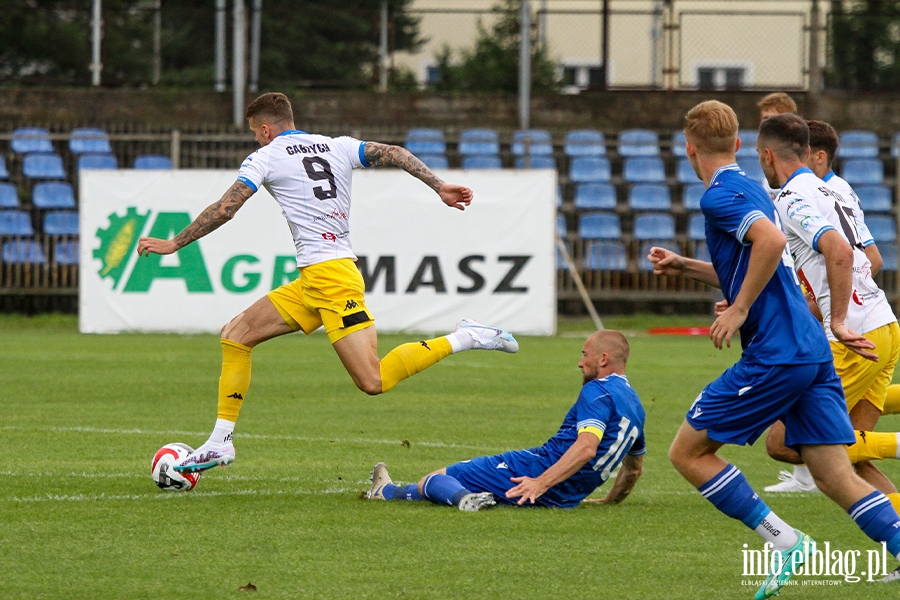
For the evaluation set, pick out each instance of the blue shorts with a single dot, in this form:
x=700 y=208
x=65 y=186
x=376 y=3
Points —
x=746 y=399
x=492 y=474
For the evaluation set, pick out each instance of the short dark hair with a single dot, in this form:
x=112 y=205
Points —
x=787 y=135
x=273 y=106
x=822 y=136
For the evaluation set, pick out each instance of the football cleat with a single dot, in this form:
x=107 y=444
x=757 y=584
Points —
x=380 y=478
x=476 y=502
x=205 y=458
x=489 y=338
x=789 y=483
x=891 y=577
x=782 y=570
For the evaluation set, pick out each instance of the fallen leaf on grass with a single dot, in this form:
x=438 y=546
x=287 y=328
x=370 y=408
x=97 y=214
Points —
x=247 y=588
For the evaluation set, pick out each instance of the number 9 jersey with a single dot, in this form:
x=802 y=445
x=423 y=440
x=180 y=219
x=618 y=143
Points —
x=310 y=177
x=808 y=208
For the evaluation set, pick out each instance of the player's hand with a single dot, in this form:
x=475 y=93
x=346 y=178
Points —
x=455 y=196
x=665 y=262
x=854 y=341
x=726 y=324
x=147 y=246
x=527 y=490
x=720 y=307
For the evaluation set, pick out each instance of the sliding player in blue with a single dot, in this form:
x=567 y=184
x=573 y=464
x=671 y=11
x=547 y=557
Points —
x=786 y=369
x=603 y=429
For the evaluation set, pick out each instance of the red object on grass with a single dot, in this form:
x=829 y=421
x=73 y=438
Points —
x=679 y=331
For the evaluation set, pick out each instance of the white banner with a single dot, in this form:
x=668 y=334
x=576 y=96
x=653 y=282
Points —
x=426 y=265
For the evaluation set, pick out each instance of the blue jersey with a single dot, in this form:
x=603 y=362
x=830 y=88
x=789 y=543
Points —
x=608 y=408
x=779 y=329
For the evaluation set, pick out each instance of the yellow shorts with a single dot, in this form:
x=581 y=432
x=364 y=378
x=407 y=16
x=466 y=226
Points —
x=863 y=379
x=331 y=293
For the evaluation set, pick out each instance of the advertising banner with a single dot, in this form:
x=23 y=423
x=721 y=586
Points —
x=425 y=265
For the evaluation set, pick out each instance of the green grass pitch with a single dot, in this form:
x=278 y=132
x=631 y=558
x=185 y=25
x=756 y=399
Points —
x=81 y=518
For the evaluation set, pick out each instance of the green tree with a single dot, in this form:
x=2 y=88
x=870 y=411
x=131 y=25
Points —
x=864 y=45
x=493 y=63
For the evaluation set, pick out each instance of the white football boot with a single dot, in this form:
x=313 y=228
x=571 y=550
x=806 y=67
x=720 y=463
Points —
x=205 y=458
x=489 y=338
x=476 y=502
x=380 y=478
x=790 y=483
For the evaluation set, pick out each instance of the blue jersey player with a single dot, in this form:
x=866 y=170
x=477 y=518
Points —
x=785 y=371
x=605 y=428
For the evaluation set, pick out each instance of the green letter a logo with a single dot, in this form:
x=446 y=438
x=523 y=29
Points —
x=191 y=268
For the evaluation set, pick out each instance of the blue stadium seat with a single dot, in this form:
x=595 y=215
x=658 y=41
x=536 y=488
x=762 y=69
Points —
x=26 y=140
x=678 y=142
x=9 y=197
x=536 y=162
x=83 y=140
x=595 y=196
x=644 y=250
x=67 y=252
x=752 y=169
x=883 y=228
x=599 y=226
x=561 y=227
x=690 y=196
x=685 y=172
x=97 y=161
x=644 y=170
x=606 y=256
x=638 y=142
x=4 y=172
x=654 y=226
x=23 y=252
x=888 y=252
x=153 y=162
x=61 y=222
x=696 y=227
x=874 y=198
x=43 y=166
x=479 y=141
x=585 y=142
x=587 y=169
x=53 y=194
x=434 y=161
x=15 y=222
x=857 y=144
x=863 y=170
x=701 y=252
x=425 y=141
x=540 y=142
x=483 y=161
x=561 y=264
x=650 y=196
x=748 y=143
x=895 y=145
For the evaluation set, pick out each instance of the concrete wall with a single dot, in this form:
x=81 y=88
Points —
x=372 y=112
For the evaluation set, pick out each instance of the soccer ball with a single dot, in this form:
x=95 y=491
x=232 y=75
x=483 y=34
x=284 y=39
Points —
x=165 y=476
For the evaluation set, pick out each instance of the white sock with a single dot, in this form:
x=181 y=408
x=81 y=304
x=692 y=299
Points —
x=222 y=433
x=802 y=474
x=774 y=530
x=460 y=340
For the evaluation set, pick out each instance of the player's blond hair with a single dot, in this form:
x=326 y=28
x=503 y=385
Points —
x=613 y=343
x=274 y=107
x=779 y=102
x=712 y=127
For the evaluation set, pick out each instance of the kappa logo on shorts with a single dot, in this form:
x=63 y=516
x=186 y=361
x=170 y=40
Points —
x=351 y=304
x=697 y=412
x=502 y=465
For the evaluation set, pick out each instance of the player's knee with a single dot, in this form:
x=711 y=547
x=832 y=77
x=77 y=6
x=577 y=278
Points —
x=235 y=329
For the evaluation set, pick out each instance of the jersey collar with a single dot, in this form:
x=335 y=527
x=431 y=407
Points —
x=732 y=167
x=799 y=171
x=828 y=176
x=290 y=132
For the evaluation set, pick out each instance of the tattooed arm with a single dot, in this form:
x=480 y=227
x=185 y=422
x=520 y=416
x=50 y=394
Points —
x=213 y=216
x=386 y=155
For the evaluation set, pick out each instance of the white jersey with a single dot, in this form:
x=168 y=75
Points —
x=309 y=176
x=808 y=208
x=843 y=188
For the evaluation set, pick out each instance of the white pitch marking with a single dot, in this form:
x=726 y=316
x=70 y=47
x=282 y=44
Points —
x=166 y=496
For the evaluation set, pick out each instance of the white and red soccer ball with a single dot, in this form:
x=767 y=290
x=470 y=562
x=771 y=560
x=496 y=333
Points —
x=165 y=476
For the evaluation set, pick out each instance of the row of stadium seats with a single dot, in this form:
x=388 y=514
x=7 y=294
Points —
x=32 y=252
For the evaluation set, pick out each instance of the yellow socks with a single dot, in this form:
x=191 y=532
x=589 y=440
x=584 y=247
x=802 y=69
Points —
x=235 y=379
x=408 y=359
x=892 y=402
x=873 y=445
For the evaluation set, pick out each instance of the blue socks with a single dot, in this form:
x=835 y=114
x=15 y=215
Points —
x=443 y=489
x=731 y=494
x=402 y=492
x=878 y=520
